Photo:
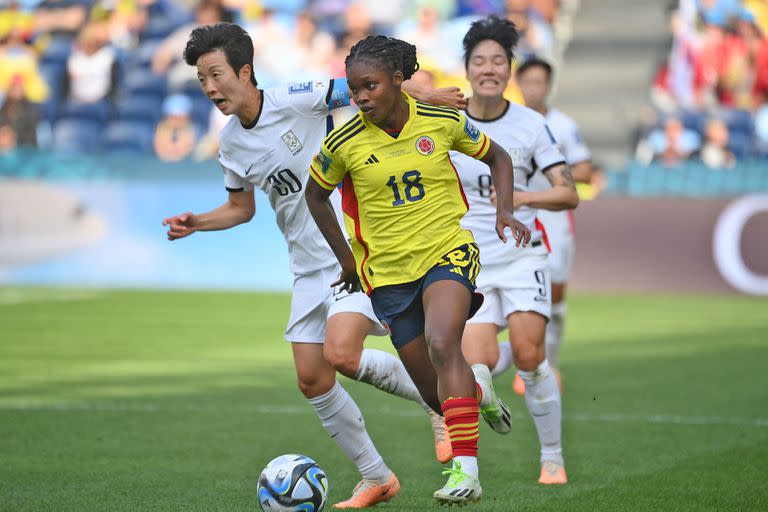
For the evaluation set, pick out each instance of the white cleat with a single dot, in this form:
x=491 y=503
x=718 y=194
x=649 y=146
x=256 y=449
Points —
x=460 y=488
x=495 y=413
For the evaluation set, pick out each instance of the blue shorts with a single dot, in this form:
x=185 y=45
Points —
x=400 y=307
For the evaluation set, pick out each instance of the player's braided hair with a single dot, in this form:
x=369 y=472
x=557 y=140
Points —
x=494 y=28
x=231 y=39
x=395 y=54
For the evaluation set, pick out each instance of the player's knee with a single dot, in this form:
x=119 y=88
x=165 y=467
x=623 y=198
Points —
x=343 y=360
x=313 y=385
x=444 y=350
x=528 y=356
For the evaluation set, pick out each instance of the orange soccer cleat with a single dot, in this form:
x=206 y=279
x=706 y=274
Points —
x=368 y=493
x=518 y=385
x=443 y=450
x=552 y=473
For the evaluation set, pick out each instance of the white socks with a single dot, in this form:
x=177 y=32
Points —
x=505 y=358
x=555 y=333
x=542 y=396
x=468 y=465
x=343 y=421
x=387 y=373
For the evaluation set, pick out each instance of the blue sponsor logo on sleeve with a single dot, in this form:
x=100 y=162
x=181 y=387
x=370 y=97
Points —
x=300 y=87
x=324 y=161
x=471 y=130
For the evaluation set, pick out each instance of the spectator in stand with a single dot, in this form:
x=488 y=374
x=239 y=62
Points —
x=670 y=146
x=18 y=58
x=305 y=52
x=357 y=26
x=424 y=79
x=21 y=115
x=92 y=66
x=536 y=36
x=761 y=131
x=8 y=141
x=125 y=20
x=428 y=35
x=714 y=153
x=176 y=134
x=167 y=59
x=60 y=18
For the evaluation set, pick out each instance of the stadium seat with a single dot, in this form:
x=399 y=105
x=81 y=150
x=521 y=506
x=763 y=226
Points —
x=77 y=135
x=131 y=136
x=138 y=108
x=693 y=120
x=57 y=50
x=201 y=111
x=740 y=143
x=158 y=28
x=146 y=83
x=99 y=111
x=738 y=121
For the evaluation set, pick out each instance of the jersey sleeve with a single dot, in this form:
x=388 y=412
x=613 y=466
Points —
x=327 y=171
x=468 y=139
x=574 y=149
x=316 y=98
x=545 y=152
x=233 y=182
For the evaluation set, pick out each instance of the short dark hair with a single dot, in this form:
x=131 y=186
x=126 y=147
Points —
x=491 y=28
x=394 y=54
x=231 y=39
x=535 y=62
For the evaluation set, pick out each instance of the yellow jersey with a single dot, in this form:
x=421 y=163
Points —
x=402 y=198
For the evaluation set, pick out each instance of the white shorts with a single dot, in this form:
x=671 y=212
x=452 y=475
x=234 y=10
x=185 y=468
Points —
x=522 y=285
x=559 y=229
x=314 y=302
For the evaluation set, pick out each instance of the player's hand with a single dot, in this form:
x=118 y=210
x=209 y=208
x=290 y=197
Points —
x=348 y=280
x=181 y=225
x=448 y=97
x=520 y=233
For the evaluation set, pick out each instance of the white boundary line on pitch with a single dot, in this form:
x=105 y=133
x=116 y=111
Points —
x=664 y=419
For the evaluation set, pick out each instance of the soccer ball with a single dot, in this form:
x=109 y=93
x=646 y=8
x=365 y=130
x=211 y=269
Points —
x=292 y=483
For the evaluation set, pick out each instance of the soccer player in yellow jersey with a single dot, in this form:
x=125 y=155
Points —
x=403 y=201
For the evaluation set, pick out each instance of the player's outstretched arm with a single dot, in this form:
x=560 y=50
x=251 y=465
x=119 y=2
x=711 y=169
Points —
x=239 y=208
x=325 y=218
x=445 y=96
x=503 y=178
x=562 y=195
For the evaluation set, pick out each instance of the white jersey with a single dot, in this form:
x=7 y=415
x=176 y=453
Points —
x=571 y=145
x=274 y=155
x=523 y=133
x=568 y=138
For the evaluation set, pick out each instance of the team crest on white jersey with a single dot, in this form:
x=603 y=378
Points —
x=516 y=155
x=425 y=145
x=292 y=141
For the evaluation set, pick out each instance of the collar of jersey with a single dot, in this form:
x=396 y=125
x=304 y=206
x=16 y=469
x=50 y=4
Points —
x=404 y=132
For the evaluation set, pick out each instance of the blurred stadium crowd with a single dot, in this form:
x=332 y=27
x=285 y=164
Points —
x=710 y=95
x=82 y=76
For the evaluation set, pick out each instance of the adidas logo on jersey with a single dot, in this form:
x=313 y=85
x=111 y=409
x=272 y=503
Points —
x=372 y=160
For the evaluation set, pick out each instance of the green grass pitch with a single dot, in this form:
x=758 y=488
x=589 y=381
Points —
x=127 y=400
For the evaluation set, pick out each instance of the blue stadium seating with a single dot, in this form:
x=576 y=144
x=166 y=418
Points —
x=146 y=83
x=138 y=107
x=131 y=136
x=99 y=111
x=77 y=135
x=58 y=49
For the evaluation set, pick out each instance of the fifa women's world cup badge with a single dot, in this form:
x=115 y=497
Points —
x=425 y=145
